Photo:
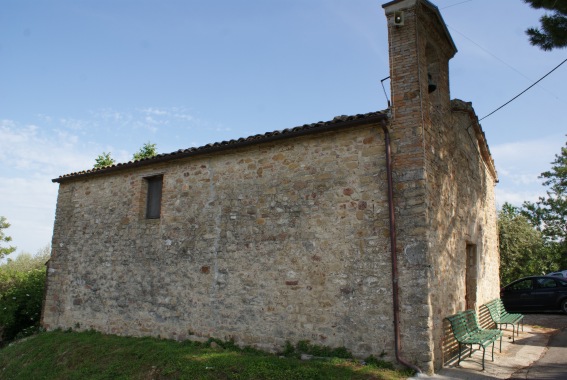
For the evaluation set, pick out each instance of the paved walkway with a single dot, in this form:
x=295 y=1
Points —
x=540 y=352
x=553 y=363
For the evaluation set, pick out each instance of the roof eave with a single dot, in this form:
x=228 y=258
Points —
x=321 y=127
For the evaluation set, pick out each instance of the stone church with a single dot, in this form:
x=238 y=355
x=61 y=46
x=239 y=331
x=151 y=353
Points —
x=364 y=231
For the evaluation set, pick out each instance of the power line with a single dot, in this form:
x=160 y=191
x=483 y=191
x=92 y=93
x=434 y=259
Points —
x=521 y=93
x=452 y=5
x=499 y=59
x=491 y=54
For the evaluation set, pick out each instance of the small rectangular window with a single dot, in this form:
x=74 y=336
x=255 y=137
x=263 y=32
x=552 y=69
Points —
x=153 y=204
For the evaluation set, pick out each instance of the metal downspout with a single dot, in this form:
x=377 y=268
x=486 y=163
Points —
x=394 y=256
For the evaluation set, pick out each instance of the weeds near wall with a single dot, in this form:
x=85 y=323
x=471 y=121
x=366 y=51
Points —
x=304 y=347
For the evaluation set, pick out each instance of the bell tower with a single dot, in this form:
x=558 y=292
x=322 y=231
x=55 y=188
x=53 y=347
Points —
x=420 y=48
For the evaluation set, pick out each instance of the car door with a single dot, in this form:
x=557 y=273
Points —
x=545 y=293
x=518 y=295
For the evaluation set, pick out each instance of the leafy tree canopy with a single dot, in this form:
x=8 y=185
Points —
x=5 y=251
x=522 y=249
x=148 y=150
x=103 y=160
x=553 y=32
x=549 y=213
x=533 y=238
x=22 y=283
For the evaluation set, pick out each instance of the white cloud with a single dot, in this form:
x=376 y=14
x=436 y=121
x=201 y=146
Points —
x=73 y=124
x=155 y=111
x=152 y=119
x=29 y=206
x=30 y=157
x=43 y=150
x=526 y=160
x=516 y=196
x=519 y=166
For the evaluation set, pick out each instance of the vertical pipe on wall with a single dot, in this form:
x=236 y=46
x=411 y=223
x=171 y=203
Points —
x=394 y=256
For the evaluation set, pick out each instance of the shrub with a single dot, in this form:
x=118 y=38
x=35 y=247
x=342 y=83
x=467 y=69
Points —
x=22 y=283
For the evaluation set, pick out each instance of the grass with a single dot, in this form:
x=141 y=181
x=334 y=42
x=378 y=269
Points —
x=92 y=355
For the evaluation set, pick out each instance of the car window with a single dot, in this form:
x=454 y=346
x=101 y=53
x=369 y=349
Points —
x=546 y=283
x=562 y=284
x=521 y=285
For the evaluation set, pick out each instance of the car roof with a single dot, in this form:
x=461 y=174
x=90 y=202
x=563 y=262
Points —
x=536 y=277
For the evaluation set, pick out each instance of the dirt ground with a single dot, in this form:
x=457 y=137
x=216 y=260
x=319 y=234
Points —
x=554 y=321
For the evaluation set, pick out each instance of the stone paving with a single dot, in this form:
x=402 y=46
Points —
x=524 y=359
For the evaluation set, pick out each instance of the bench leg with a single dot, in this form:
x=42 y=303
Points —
x=483 y=352
x=493 y=351
x=513 y=333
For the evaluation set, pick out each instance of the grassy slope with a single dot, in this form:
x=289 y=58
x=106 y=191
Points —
x=91 y=355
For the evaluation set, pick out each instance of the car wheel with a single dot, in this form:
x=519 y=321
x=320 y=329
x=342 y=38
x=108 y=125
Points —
x=564 y=305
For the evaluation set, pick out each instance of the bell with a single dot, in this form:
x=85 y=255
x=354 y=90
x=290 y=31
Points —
x=430 y=85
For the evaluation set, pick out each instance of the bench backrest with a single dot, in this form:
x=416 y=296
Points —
x=459 y=326
x=501 y=307
x=494 y=309
x=471 y=320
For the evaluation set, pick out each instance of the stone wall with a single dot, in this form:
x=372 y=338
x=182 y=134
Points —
x=462 y=215
x=275 y=242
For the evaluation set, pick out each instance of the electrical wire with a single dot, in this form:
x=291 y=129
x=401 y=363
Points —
x=490 y=53
x=499 y=59
x=521 y=93
x=452 y=5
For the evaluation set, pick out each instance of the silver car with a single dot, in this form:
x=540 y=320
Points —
x=562 y=274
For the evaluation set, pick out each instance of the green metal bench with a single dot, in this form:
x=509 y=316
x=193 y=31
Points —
x=468 y=332
x=500 y=317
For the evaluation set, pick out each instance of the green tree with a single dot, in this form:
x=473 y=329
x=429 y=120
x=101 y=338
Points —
x=5 y=251
x=553 y=32
x=549 y=213
x=522 y=247
x=148 y=150
x=103 y=160
x=22 y=283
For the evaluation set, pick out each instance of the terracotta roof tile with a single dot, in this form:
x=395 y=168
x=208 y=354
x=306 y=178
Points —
x=337 y=122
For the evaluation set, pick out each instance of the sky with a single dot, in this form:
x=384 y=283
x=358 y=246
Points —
x=79 y=78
